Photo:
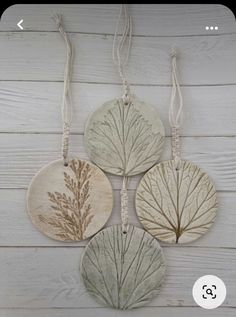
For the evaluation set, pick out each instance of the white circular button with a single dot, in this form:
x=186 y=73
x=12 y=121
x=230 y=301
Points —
x=209 y=291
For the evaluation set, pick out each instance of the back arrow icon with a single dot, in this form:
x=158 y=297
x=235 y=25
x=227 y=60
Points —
x=19 y=24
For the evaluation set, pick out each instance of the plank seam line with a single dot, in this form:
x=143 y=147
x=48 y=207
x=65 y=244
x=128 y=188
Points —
x=113 y=84
x=99 y=307
x=165 y=246
x=111 y=34
x=82 y=134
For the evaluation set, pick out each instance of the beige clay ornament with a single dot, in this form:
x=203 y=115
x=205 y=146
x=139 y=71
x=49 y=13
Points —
x=176 y=201
x=70 y=203
x=123 y=266
x=69 y=199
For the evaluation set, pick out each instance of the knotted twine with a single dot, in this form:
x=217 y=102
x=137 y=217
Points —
x=120 y=55
x=66 y=99
x=175 y=113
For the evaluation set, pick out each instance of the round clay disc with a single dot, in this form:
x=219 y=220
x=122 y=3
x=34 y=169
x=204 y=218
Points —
x=123 y=271
x=70 y=203
x=124 y=139
x=176 y=206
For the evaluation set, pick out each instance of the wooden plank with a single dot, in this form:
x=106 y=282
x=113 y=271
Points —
x=40 y=56
x=49 y=277
x=107 y=312
x=35 y=106
x=22 y=155
x=155 y=19
x=17 y=229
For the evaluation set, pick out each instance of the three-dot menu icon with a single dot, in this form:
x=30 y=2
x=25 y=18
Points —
x=211 y=28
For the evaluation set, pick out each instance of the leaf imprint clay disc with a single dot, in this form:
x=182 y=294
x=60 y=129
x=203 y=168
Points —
x=70 y=203
x=176 y=206
x=124 y=139
x=123 y=271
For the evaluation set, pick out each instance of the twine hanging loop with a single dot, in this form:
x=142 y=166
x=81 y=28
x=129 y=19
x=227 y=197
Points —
x=66 y=100
x=121 y=48
x=175 y=112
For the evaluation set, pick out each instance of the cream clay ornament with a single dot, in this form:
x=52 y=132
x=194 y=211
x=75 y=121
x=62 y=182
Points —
x=69 y=199
x=176 y=201
x=123 y=266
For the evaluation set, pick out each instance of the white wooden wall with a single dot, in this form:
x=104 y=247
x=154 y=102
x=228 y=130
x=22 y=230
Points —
x=39 y=276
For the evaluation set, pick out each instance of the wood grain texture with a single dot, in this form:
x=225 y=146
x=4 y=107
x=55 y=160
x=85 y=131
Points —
x=123 y=271
x=204 y=60
x=154 y=20
x=124 y=139
x=69 y=203
x=107 y=312
x=37 y=280
x=25 y=154
x=17 y=230
x=176 y=206
x=34 y=106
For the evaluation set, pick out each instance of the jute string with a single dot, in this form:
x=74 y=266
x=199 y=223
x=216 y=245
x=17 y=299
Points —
x=120 y=54
x=175 y=112
x=121 y=47
x=66 y=99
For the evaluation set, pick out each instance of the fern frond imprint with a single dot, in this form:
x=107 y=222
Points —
x=125 y=139
x=72 y=214
x=176 y=206
x=123 y=271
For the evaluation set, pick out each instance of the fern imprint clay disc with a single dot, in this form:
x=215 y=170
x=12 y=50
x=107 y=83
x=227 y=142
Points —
x=176 y=206
x=123 y=271
x=70 y=203
x=124 y=139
